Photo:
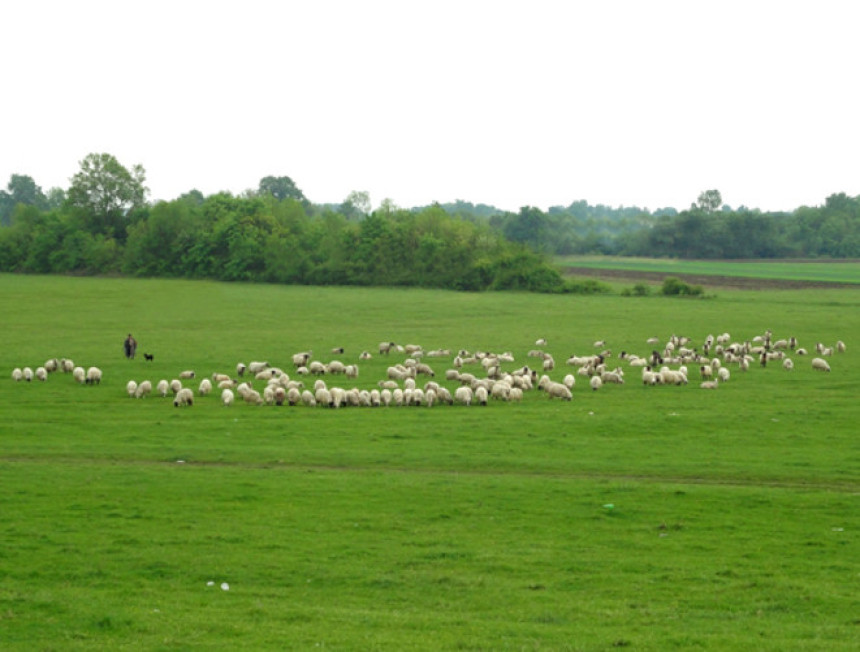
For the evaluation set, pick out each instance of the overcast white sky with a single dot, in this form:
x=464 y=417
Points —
x=537 y=103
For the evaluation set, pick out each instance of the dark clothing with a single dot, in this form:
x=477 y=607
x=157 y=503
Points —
x=130 y=346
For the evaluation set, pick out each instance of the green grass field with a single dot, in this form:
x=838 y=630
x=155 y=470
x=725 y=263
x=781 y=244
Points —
x=830 y=271
x=642 y=517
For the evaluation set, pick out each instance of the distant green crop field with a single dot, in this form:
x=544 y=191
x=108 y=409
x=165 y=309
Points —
x=834 y=272
x=633 y=516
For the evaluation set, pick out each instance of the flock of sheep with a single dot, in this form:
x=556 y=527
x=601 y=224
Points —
x=476 y=378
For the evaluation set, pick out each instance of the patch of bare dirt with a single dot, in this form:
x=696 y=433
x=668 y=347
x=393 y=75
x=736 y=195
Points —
x=705 y=280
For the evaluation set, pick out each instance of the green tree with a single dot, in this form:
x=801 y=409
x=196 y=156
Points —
x=709 y=201
x=356 y=205
x=104 y=194
x=281 y=188
x=21 y=189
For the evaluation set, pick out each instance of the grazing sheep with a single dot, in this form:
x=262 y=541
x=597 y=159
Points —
x=41 y=374
x=559 y=390
x=463 y=395
x=540 y=342
x=257 y=367
x=840 y=346
x=205 y=387
x=94 y=376
x=227 y=397
x=385 y=347
x=17 y=374
x=67 y=365
x=787 y=364
x=162 y=388
x=336 y=367
x=338 y=350
x=802 y=351
x=184 y=397
x=131 y=388
x=323 y=397
x=252 y=397
x=723 y=374
x=820 y=365
x=186 y=375
x=51 y=365
x=385 y=397
x=308 y=398
x=596 y=383
x=175 y=386
x=706 y=371
x=293 y=396
x=301 y=359
x=27 y=374
x=143 y=389
x=217 y=378
x=351 y=371
x=481 y=395
x=317 y=368
x=79 y=375
x=240 y=369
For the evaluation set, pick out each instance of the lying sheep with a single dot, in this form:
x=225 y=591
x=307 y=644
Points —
x=559 y=390
x=184 y=397
x=709 y=384
x=820 y=364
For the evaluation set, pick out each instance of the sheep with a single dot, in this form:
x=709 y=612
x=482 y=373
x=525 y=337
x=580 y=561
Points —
x=317 y=368
x=649 y=377
x=240 y=369
x=162 y=388
x=143 y=389
x=257 y=367
x=94 y=376
x=375 y=398
x=338 y=350
x=801 y=351
x=559 y=390
x=548 y=363
x=227 y=384
x=787 y=364
x=351 y=371
x=205 y=387
x=723 y=374
x=439 y=353
x=131 y=388
x=596 y=383
x=501 y=391
x=840 y=346
x=323 y=397
x=463 y=395
x=365 y=355
x=385 y=397
x=67 y=365
x=336 y=367
x=385 y=347
x=540 y=342
x=709 y=384
x=706 y=371
x=302 y=371
x=79 y=375
x=430 y=397
x=51 y=365
x=308 y=398
x=41 y=374
x=184 y=397
x=397 y=397
x=293 y=396
x=186 y=375
x=481 y=395
x=819 y=364
x=616 y=377
x=425 y=369
x=388 y=384
x=301 y=359
x=175 y=386
x=17 y=374
x=252 y=397
x=227 y=397
x=27 y=374
x=269 y=395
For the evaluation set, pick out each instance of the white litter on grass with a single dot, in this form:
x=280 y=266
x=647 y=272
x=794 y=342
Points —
x=839 y=529
x=225 y=586
x=180 y=461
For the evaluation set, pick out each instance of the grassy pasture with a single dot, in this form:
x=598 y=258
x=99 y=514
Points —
x=734 y=513
x=829 y=271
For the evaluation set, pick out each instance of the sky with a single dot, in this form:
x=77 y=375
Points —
x=533 y=103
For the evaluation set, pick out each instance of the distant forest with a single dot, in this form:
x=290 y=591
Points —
x=104 y=224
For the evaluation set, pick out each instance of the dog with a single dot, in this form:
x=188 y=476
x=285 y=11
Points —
x=149 y=357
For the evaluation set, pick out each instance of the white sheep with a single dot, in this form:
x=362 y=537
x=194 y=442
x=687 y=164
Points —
x=162 y=388
x=560 y=390
x=131 y=388
x=17 y=374
x=336 y=367
x=596 y=383
x=323 y=397
x=94 y=376
x=79 y=375
x=308 y=398
x=27 y=374
x=240 y=369
x=463 y=395
x=317 y=368
x=365 y=355
x=293 y=396
x=569 y=381
x=840 y=346
x=51 y=365
x=257 y=367
x=301 y=359
x=205 y=387
x=820 y=364
x=709 y=384
x=143 y=389
x=787 y=364
x=351 y=371
x=481 y=395
x=175 y=386
x=227 y=397
x=723 y=374
x=184 y=397
x=252 y=397
x=186 y=375
x=67 y=365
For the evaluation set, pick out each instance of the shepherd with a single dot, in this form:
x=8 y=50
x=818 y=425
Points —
x=130 y=346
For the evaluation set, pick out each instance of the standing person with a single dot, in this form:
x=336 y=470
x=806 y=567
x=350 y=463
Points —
x=130 y=346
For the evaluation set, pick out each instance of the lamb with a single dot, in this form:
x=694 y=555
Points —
x=94 y=376
x=17 y=374
x=162 y=388
x=131 y=388
x=186 y=375
x=184 y=397
x=227 y=397
x=143 y=389
x=819 y=364
x=205 y=387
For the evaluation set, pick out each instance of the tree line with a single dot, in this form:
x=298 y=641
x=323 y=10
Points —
x=103 y=225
